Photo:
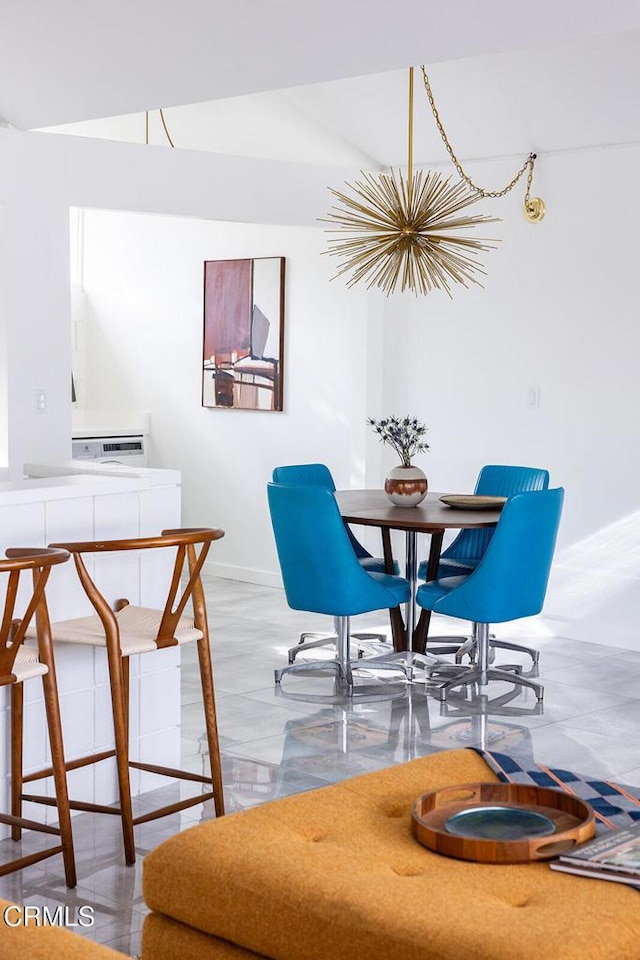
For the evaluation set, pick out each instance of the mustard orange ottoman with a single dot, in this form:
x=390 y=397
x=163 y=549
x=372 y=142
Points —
x=335 y=874
x=20 y=940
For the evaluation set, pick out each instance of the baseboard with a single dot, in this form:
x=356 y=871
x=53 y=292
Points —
x=227 y=571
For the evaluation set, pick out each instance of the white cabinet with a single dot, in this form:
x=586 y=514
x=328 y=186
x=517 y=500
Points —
x=74 y=508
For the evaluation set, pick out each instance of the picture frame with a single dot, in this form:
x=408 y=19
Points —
x=243 y=334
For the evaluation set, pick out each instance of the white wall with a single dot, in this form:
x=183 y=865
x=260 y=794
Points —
x=559 y=311
x=143 y=280
x=41 y=177
x=35 y=331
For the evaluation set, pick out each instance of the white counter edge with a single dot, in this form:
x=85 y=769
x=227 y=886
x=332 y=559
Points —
x=152 y=476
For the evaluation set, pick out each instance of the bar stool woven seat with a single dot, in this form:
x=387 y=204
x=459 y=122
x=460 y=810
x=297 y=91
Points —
x=26 y=665
x=138 y=629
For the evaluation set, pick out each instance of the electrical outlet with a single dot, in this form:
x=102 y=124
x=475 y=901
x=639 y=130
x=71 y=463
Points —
x=533 y=397
x=40 y=401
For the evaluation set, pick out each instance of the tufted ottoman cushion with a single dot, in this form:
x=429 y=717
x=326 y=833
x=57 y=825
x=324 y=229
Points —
x=30 y=941
x=335 y=874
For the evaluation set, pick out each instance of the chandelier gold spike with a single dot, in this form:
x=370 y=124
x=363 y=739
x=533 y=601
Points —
x=394 y=230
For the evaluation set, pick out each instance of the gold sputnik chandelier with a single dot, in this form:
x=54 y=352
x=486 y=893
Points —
x=410 y=231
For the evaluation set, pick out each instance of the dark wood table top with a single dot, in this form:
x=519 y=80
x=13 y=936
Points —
x=373 y=508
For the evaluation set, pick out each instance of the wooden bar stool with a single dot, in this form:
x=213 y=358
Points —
x=128 y=630
x=17 y=664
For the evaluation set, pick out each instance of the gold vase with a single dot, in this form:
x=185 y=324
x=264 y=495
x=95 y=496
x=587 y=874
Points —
x=406 y=486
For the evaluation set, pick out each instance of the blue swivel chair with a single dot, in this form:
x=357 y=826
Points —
x=319 y=475
x=321 y=573
x=463 y=555
x=509 y=582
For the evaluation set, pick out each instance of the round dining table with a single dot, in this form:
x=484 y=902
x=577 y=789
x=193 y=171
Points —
x=372 y=508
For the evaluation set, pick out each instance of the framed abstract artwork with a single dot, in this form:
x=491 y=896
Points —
x=243 y=334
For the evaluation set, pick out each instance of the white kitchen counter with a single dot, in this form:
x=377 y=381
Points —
x=64 y=487
x=146 y=476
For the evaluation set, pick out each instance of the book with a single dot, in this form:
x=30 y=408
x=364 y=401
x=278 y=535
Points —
x=596 y=873
x=615 y=856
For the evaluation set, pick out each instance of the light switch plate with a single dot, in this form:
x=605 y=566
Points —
x=40 y=400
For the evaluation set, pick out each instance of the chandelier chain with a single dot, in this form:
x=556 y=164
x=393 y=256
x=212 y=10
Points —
x=529 y=163
x=166 y=129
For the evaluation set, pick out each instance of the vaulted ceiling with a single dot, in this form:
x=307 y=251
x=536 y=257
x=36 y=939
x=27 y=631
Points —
x=325 y=82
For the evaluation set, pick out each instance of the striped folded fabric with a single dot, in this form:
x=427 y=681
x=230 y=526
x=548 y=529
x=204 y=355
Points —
x=615 y=805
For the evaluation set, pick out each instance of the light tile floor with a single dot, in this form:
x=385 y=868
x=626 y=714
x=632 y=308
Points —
x=279 y=741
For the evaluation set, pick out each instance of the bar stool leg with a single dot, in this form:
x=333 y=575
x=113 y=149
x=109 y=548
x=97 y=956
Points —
x=126 y=688
x=206 y=677
x=17 y=722
x=52 y=708
x=120 y=726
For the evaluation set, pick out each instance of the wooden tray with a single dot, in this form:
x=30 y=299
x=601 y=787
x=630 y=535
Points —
x=473 y=501
x=572 y=821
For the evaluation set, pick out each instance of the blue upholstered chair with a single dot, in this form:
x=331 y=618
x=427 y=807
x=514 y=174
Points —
x=463 y=555
x=319 y=475
x=321 y=572
x=509 y=582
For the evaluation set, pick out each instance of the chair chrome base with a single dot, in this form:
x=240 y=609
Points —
x=409 y=659
x=466 y=646
x=343 y=664
x=311 y=639
x=481 y=673
x=518 y=647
